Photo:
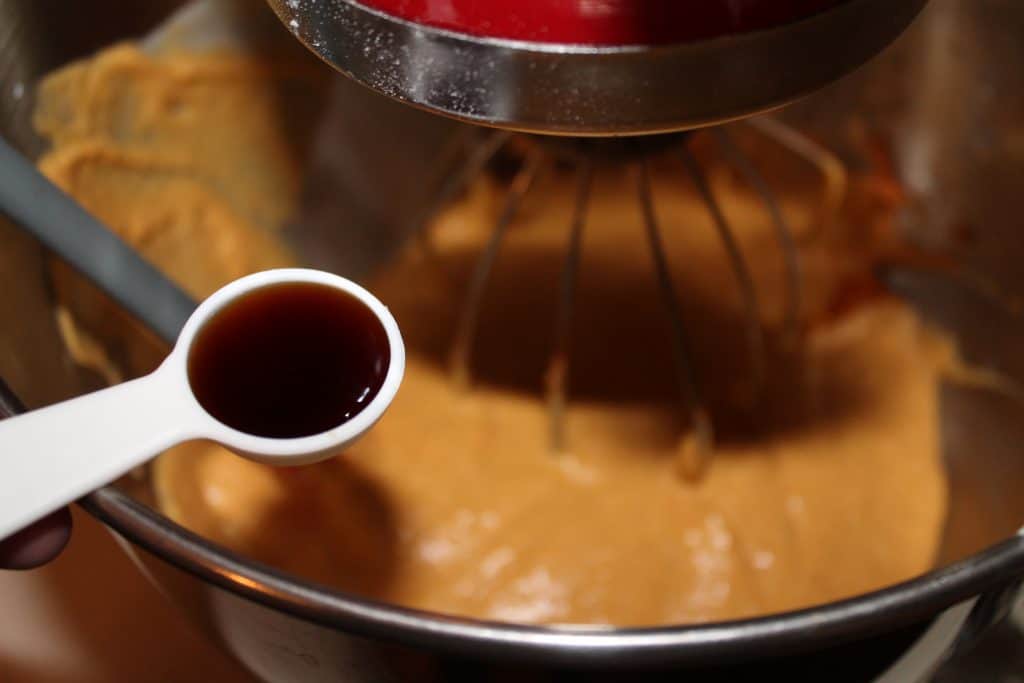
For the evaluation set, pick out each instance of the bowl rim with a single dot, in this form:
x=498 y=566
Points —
x=902 y=605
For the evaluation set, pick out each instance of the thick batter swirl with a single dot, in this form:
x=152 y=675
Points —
x=830 y=486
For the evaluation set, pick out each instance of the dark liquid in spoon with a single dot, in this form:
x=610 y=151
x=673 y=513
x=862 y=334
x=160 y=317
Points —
x=289 y=360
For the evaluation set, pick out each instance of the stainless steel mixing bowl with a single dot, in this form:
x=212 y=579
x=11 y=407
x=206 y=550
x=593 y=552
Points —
x=948 y=101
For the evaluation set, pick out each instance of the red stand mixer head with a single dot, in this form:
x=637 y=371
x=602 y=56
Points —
x=596 y=67
x=602 y=22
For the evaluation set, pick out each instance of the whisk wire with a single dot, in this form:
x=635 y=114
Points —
x=694 y=452
x=471 y=167
x=465 y=334
x=783 y=232
x=752 y=308
x=833 y=171
x=695 y=449
x=557 y=375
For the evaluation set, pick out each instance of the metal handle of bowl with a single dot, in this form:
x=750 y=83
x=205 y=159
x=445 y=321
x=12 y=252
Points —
x=39 y=207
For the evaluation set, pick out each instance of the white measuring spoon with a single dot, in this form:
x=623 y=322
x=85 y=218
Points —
x=55 y=455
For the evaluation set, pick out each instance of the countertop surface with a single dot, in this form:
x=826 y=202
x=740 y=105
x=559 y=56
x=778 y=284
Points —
x=91 y=617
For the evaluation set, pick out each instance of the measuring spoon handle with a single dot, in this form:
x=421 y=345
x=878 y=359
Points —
x=54 y=455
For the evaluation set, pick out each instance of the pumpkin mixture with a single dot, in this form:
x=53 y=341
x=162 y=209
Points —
x=829 y=485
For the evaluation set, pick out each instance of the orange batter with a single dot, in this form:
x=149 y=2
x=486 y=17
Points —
x=831 y=486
